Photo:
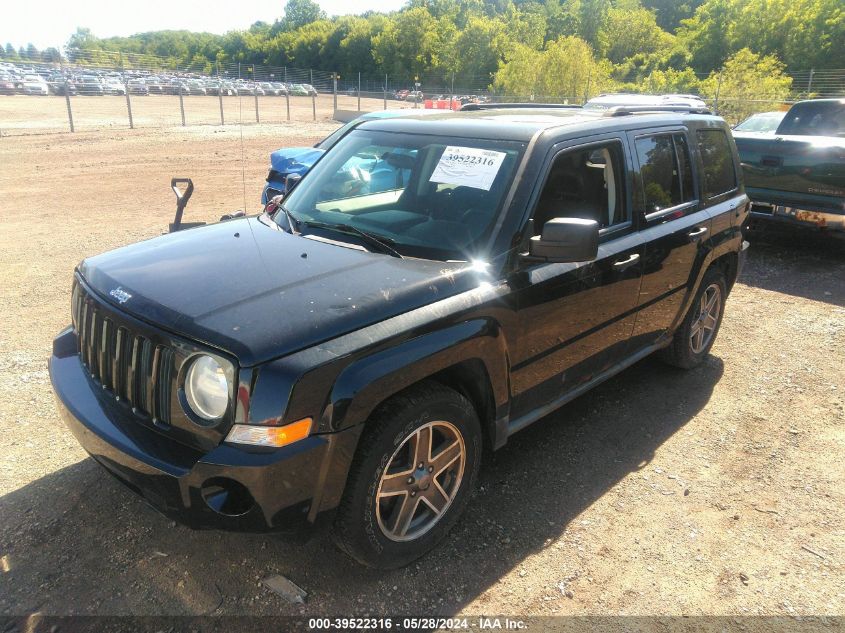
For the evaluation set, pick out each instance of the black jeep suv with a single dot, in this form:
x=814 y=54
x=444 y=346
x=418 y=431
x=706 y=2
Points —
x=433 y=284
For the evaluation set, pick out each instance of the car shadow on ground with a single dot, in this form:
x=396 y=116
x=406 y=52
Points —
x=778 y=253
x=77 y=542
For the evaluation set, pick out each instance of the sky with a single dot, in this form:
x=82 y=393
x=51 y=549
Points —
x=56 y=20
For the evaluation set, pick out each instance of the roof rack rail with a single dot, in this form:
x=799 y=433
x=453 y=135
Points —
x=496 y=106
x=648 y=109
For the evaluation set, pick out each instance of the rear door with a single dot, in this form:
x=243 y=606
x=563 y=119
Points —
x=674 y=227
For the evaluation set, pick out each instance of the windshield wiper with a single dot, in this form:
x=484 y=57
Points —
x=381 y=243
x=293 y=223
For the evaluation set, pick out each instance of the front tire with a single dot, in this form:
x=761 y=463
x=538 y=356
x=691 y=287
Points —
x=696 y=335
x=411 y=478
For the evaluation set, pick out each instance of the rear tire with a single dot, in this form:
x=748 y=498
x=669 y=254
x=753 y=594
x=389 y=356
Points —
x=696 y=335
x=411 y=477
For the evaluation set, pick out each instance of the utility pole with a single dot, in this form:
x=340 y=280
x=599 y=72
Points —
x=718 y=90
x=334 y=89
x=67 y=100
x=129 y=106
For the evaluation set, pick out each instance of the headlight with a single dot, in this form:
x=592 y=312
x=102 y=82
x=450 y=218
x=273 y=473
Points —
x=207 y=388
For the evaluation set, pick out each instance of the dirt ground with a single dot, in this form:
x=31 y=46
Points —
x=715 y=491
x=21 y=114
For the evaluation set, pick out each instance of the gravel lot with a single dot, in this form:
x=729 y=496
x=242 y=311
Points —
x=715 y=491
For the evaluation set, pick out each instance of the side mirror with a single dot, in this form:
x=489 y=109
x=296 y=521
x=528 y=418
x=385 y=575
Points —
x=566 y=240
x=291 y=180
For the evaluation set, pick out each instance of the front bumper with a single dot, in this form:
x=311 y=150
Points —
x=227 y=488
x=822 y=220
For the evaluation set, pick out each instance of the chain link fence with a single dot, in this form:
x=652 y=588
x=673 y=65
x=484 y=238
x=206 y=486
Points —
x=96 y=90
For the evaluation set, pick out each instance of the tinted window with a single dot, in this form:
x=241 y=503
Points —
x=815 y=118
x=684 y=167
x=584 y=183
x=719 y=172
x=659 y=176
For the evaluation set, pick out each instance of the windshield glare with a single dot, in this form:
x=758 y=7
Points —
x=431 y=197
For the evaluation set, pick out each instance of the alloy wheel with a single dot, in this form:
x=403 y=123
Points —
x=704 y=325
x=421 y=480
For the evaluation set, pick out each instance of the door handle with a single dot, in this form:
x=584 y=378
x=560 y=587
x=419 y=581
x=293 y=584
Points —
x=625 y=263
x=699 y=232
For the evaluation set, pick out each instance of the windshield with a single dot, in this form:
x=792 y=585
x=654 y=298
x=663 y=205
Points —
x=427 y=196
x=335 y=136
x=815 y=118
x=761 y=122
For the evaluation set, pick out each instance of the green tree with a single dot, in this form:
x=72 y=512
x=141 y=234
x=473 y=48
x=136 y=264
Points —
x=299 y=13
x=411 y=43
x=82 y=40
x=51 y=55
x=670 y=13
x=671 y=80
x=566 y=69
x=628 y=30
x=803 y=33
x=748 y=83
x=519 y=72
x=707 y=33
x=591 y=17
x=478 y=49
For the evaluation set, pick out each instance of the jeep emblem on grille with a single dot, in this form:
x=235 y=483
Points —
x=120 y=294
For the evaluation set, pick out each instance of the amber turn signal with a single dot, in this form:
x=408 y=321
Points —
x=275 y=436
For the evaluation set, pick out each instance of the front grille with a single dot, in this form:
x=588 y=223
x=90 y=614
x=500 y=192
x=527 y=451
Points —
x=130 y=366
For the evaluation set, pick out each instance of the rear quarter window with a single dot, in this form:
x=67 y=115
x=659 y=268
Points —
x=717 y=160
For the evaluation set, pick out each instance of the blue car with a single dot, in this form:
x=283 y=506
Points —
x=298 y=160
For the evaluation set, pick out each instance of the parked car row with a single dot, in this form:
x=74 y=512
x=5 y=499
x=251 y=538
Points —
x=16 y=79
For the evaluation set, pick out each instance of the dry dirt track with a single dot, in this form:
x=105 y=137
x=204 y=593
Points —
x=21 y=114
x=716 y=491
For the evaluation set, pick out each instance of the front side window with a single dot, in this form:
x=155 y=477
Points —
x=718 y=162
x=427 y=196
x=584 y=183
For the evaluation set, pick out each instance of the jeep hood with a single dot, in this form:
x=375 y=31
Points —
x=258 y=292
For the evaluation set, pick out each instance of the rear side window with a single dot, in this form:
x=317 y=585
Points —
x=717 y=158
x=665 y=172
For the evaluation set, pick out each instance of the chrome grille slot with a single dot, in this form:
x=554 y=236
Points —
x=165 y=382
x=105 y=352
x=145 y=386
x=129 y=365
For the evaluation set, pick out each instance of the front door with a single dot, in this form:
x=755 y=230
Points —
x=576 y=318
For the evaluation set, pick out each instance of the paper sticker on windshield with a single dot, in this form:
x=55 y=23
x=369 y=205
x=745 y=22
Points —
x=468 y=166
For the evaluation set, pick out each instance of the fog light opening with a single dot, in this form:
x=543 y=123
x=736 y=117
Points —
x=227 y=496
